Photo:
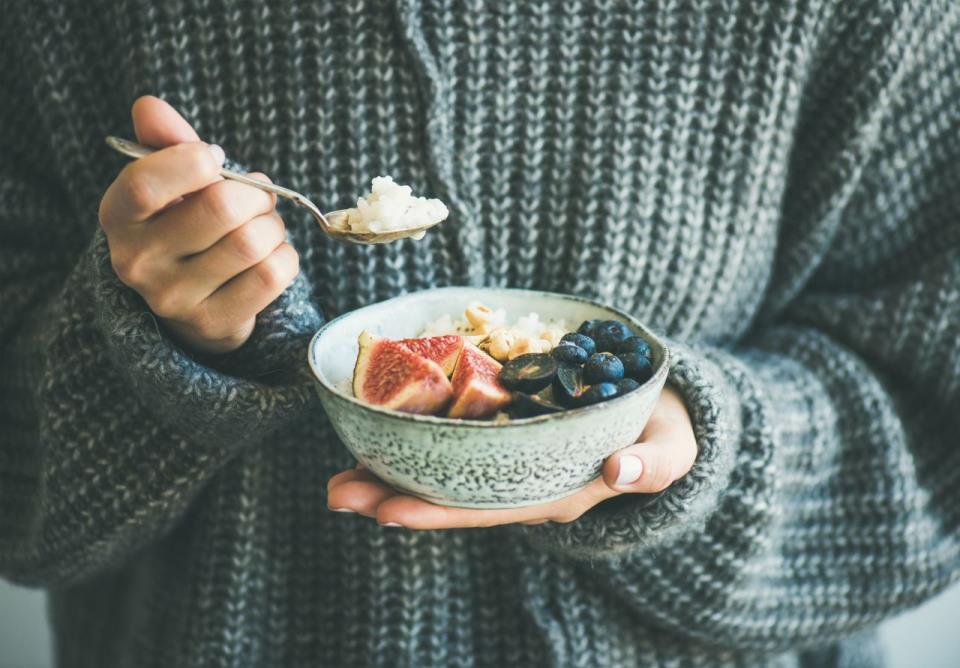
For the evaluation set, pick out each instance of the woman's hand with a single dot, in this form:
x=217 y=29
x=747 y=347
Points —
x=666 y=451
x=206 y=254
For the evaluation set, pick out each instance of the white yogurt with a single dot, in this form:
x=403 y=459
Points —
x=390 y=206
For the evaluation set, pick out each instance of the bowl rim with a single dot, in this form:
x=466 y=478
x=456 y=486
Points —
x=658 y=376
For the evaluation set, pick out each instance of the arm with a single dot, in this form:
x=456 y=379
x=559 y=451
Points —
x=824 y=495
x=837 y=415
x=110 y=429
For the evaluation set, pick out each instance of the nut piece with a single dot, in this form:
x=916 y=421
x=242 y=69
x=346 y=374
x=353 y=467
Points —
x=478 y=314
x=499 y=344
x=528 y=344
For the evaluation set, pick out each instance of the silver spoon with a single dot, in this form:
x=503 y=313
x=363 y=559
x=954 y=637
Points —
x=331 y=223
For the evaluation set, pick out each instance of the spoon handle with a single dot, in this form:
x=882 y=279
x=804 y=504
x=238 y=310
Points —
x=134 y=150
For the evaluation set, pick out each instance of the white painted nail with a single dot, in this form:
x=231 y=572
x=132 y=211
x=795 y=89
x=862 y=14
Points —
x=218 y=153
x=391 y=524
x=630 y=469
x=343 y=510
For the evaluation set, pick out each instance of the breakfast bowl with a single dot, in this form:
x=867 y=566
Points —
x=474 y=463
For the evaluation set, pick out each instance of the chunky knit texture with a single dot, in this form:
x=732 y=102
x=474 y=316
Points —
x=773 y=185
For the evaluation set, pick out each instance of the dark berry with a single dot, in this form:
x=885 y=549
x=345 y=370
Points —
x=602 y=368
x=588 y=327
x=625 y=385
x=597 y=393
x=568 y=353
x=636 y=366
x=529 y=405
x=568 y=385
x=634 y=344
x=528 y=373
x=609 y=335
x=581 y=340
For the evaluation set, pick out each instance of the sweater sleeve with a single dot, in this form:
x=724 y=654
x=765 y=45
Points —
x=109 y=429
x=825 y=496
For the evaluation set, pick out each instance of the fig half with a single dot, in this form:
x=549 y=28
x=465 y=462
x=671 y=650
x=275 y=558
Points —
x=388 y=374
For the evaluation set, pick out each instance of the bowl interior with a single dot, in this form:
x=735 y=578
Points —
x=334 y=349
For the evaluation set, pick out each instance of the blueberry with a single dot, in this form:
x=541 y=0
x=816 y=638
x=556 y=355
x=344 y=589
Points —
x=636 y=366
x=625 y=385
x=568 y=385
x=610 y=334
x=602 y=368
x=588 y=327
x=581 y=340
x=597 y=393
x=569 y=353
x=634 y=344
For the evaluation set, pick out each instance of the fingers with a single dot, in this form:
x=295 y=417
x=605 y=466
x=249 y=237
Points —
x=415 y=513
x=239 y=250
x=147 y=185
x=358 y=491
x=666 y=453
x=225 y=319
x=248 y=293
x=348 y=476
x=204 y=218
x=206 y=254
x=158 y=124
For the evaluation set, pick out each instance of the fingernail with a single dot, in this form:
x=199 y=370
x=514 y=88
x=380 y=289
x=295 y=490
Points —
x=630 y=469
x=343 y=510
x=218 y=153
x=391 y=524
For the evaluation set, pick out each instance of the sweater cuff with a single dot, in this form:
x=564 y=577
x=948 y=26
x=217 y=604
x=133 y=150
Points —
x=633 y=521
x=228 y=399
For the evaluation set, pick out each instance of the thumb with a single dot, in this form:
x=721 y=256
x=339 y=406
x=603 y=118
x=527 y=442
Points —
x=666 y=453
x=158 y=124
x=647 y=467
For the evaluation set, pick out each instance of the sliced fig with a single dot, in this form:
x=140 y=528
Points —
x=476 y=391
x=444 y=350
x=388 y=374
x=528 y=373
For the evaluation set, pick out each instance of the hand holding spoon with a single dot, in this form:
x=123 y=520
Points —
x=331 y=223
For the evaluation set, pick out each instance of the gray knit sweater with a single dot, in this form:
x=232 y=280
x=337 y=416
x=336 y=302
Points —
x=772 y=185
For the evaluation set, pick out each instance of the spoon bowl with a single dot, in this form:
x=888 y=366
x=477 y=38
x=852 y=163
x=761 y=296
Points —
x=332 y=223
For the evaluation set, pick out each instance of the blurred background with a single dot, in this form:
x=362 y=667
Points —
x=928 y=637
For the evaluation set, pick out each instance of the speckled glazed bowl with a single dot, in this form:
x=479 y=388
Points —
x=473 y=463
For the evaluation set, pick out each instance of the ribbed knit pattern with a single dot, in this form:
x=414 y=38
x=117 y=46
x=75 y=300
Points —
x=772 y=185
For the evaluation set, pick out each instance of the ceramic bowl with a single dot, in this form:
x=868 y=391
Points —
x=474 y=463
